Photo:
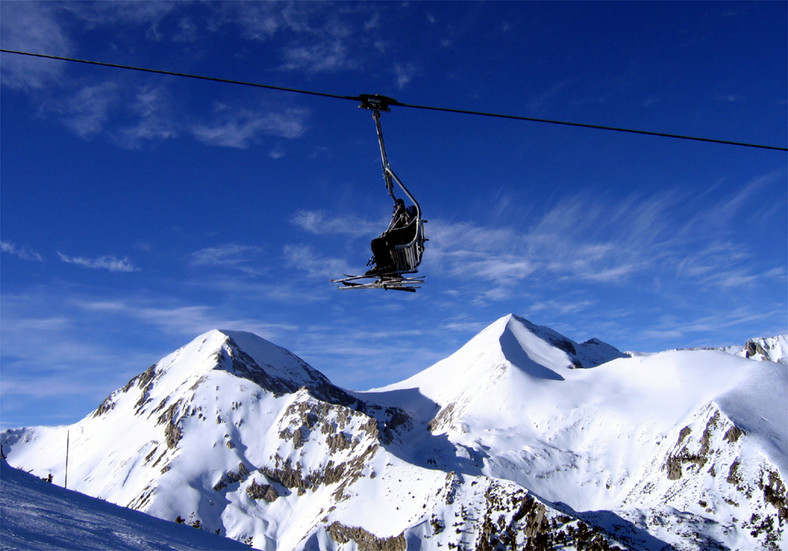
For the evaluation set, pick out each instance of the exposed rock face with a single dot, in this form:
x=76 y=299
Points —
x=364 y=540
x=172 y=432
x=262 y=491
x=351 y=438
x=702 y=473
x=141 y=381
x=773 y=349
x=231 y=477
x=754 y=348
x=507 y=517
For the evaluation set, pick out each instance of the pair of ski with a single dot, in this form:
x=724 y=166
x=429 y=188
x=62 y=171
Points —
x=394 y=281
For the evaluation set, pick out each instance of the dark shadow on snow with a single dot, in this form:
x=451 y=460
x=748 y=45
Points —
x=618 y=528
x=514 y=352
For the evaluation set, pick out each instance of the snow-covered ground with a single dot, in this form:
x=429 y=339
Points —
x=37 y=515
x=521 y=434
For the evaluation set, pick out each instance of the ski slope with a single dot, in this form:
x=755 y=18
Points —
x=35 y=514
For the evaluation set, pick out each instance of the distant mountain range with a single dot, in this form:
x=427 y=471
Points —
x=522 y=439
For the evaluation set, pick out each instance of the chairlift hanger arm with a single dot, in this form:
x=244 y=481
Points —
x=377 y=103
x=389 y=176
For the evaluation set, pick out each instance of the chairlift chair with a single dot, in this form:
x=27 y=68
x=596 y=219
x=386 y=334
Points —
x=406 y=253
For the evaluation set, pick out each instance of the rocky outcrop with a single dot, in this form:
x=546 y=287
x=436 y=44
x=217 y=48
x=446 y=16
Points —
x=142 y=381
x=172 y=432
x=517 y=520
x=262 y=491
x=351 y=439
x=231 y=477
x=236 y=361
x=365 y=541
x=773 y=349
x=707 y=472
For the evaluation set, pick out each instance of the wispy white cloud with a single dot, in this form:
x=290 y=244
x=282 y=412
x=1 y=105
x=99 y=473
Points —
x=749 y=195
x=263 y=20
x=726 y=97
x=150 y=116
x=352 y=361
x=122 y=12
x=154 y=119
x=127 y=116
x=32 y=26
x=188 y=321
x=404 y=73
x=47 y=347
x=584 y=239
x=109 y=263
x=683 y=328
x=220 y=255
x=49 y=386
x=233 y=256
x=373 y=22
x=541 y=103
x=19 y=252
x=317 y=37
x=499 y=267
x=131 y=117
x=707 y=261
x=43 y=27
x=471 y=327
x=305 y=258
x=327 y=56
x=87 y=110
x=562 y=306
x=601 y=240
x=239 y=128
x=321 y=223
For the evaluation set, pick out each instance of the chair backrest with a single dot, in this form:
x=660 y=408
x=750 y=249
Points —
x=407 y=256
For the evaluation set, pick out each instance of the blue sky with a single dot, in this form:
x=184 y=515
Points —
x=139 y=210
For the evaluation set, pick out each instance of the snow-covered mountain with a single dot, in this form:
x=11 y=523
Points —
x=521 y=437
x=772 y=349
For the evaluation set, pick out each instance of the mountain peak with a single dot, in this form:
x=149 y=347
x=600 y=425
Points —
x=272 y=367
x=507 y=360
x=241 y=354
x=547 y=347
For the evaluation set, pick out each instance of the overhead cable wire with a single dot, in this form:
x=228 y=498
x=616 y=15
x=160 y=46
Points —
x=390 y=101
x=593 y=126
x=177 y=74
